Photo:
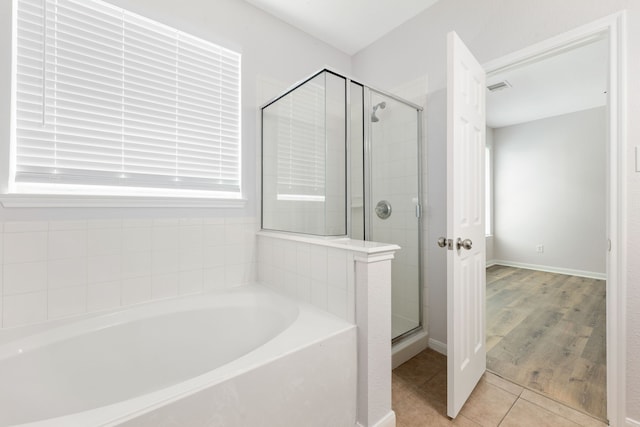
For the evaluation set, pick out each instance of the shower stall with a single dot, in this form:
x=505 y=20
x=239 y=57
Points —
x=340 y=158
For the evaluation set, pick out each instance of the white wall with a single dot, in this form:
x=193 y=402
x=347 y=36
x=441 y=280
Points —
x=86 y=259
x=492 y=29
x=550 y=190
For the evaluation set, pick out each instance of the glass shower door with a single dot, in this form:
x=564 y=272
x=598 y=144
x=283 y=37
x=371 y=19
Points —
x=392 y=201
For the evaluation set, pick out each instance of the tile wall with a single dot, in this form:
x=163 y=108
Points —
x=315 y=274
x=54 y=269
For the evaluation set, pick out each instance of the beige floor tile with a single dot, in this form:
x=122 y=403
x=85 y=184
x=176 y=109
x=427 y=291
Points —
x=526 y=414
x=436 y=388
x=562 y=410
x=488 y=404
x=494 y=379
x=422 y=368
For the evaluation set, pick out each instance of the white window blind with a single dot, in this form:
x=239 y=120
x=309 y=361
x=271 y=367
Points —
x=105 y=97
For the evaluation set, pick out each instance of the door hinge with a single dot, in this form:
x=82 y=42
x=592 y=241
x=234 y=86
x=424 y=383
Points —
x=418 y=211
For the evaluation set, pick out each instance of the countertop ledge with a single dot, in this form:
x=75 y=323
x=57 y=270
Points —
x=361 y=246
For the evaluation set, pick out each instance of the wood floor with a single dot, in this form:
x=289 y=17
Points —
x=546 y=332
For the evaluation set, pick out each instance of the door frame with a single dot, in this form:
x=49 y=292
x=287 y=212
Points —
x=614 y=26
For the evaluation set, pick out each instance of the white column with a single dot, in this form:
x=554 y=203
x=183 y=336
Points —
x=373 y=317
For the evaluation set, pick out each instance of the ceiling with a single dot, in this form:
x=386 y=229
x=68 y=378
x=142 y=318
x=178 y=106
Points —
x=570 y=81
x=348 y=25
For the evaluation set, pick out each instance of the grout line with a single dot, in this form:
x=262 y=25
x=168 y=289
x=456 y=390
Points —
x=509 y=411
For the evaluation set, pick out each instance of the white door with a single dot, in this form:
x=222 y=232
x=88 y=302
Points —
x=466 y=254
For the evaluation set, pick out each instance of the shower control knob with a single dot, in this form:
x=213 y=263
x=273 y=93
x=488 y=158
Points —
x=383 y=209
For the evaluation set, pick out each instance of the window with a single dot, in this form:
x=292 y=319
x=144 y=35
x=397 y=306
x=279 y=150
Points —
x=109 y=102
x=488 y=184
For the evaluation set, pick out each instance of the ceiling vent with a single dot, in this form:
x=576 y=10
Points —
x=499 y=86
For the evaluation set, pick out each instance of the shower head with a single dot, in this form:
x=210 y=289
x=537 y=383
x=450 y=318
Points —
x=380 y=105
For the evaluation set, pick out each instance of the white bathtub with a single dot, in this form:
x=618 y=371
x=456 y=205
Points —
x=242 y=357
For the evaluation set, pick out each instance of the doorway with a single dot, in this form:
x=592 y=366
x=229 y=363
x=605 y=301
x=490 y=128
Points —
x=558 y=350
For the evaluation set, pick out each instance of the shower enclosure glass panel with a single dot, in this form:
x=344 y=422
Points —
x=304 y=159
x=330 y=140
x=393 y=201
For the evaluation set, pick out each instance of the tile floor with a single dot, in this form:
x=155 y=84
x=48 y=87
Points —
x=419 y=396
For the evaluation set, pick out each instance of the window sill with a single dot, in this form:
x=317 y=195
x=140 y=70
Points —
x=82 y=201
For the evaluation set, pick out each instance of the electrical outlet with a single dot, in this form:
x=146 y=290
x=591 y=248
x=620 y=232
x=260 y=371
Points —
x=540 y=249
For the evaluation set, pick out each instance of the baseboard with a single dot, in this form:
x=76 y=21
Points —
x=491 y=263
x=438 y=346
x=388 y=420
x=570 y=272
x=632 y=423
x=408 y=347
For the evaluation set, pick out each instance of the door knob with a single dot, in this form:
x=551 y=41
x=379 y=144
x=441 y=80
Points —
x=466 y=243
x=442 y=242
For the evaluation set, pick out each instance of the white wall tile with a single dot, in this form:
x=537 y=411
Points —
x=304 y=289
x=235 y=234
x=290 y=256
x=104 y=268
x=191 y=259
x=238 y=254
x=24 y=308
x=104 y=223
x=303 y=259
x=136 y=264
x=190 y=282
x=319 y=294
x=165 y=238
x=164 y=286
x=337 y=302
x=25 y=247
x=136 y=239
x=166 y=222
x=337 y=268
x=191 y=221
x=136 y=290
x=24 y=277
x=102 y=296
x=67 y=225
x=318 y=263
x=137 y=222
x=76 y=265
x=25 y=226
x=190 y=237
x=164 y=261
x=67 y=301
x=235 y=275
x=67 y=243
x=214 y=234
x=104 y=241
x=213 y=279
x=64 y=273
x=213 y=256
